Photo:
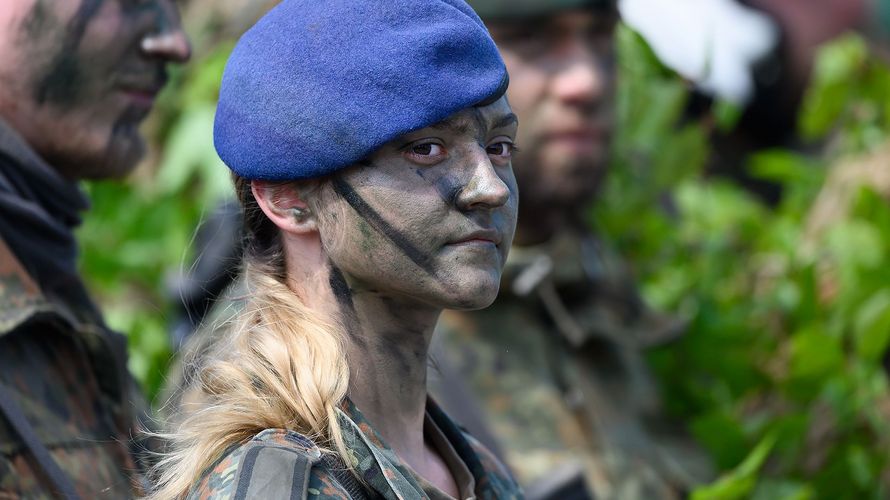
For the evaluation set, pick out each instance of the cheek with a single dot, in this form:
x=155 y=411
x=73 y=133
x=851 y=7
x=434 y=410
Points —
x=509 y=180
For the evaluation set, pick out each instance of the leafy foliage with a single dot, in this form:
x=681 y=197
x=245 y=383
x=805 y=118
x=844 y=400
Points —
x=779 y=375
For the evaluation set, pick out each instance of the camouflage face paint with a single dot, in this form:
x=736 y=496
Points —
x=85 y=81
x=341 y=289
x=361 y=207
x=64 y=76
x=447 y=185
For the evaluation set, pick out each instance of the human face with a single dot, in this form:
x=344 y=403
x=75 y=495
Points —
x=561 y=87
x=77 y=77
x=429 y=216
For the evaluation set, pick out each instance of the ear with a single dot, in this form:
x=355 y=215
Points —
x=285 y=205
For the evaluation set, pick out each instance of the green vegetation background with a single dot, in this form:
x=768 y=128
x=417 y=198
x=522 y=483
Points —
x=779 y=375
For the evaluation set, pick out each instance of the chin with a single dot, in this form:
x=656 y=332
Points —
x=97 y=156
x=478 y=295
x=117 y=161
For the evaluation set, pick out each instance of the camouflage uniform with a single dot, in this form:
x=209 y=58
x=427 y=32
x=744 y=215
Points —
x=65 y=372
x=277 y=463
x=556 y=369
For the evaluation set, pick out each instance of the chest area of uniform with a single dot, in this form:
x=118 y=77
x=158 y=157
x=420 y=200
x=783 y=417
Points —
x=53 y=384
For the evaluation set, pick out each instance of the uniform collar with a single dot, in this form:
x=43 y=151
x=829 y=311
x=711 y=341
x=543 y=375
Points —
x=39 y=210
x=378 y=464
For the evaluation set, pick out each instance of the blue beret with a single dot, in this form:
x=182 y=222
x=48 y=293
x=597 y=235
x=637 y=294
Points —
x=316 y=86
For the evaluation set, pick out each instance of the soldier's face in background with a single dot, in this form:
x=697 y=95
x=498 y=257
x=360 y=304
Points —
x=77 y=77
x=561 y=87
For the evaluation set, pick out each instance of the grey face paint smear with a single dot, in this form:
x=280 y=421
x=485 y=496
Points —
x=60 y=84
x=358 y=204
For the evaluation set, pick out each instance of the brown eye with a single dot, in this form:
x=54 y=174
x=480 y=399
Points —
x=501 y=149
x=425 y=153
x=428 y=149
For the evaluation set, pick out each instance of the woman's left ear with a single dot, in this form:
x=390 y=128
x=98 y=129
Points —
x=285 y=206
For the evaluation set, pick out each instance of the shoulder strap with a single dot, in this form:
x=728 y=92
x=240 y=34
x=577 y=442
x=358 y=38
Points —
x=356 y=489
x=59 y=480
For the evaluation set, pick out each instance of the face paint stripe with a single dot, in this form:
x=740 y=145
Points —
x=81 y=19
x=56 y=85
x=361 y=207
x=447 y=187
x=343 y=294
x=341 y=288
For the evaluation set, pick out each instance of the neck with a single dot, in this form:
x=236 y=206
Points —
x=387 y=350
x=387 y=343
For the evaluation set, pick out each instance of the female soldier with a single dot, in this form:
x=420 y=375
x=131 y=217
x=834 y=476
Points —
x=371 y=146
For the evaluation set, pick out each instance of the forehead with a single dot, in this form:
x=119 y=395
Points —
x=479 y=119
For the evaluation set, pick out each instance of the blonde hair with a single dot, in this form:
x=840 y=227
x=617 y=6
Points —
x=277 y=365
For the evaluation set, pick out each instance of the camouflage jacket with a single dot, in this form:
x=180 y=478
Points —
x=67 y=379
x=554 y=372
x=277 y=464
x=61 y=369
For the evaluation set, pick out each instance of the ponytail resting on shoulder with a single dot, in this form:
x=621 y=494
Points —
x=277 y=366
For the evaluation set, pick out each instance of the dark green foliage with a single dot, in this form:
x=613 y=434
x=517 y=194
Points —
x=779 y=374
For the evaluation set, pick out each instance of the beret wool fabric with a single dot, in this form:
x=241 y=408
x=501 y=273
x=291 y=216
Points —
x=318 y=85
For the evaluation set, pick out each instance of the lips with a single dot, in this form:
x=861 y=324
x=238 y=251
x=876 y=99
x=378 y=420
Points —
x=142 y=90
x=144 y=98
x=479 y=236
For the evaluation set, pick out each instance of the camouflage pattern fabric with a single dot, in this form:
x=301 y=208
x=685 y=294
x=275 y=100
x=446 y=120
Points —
x=278 y=463
x=66 y=377
x=556 y=365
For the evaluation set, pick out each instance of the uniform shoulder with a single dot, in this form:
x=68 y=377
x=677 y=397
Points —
x=497 y=475
x=275 y=463
x=20 y=295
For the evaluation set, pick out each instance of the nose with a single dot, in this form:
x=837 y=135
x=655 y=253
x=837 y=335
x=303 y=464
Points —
x=168 y=42
x=581 y=78
x=484 y=188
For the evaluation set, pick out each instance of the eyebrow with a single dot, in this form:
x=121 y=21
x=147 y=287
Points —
x=462 y=126
x=454 y=124
x=506 y=120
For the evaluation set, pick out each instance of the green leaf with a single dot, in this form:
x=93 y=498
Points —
x=834 y=77
x=723 y=436
x=815 y=354
x=740 y=482
x=783 y=490
x=871 y=327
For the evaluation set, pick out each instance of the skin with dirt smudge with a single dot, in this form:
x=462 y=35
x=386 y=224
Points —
x=77 y=77
x=425 y=224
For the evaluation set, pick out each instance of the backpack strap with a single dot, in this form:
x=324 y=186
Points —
x=61 y=483
x=356 y=489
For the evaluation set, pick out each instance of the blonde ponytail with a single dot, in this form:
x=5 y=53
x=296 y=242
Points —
x=278 y=365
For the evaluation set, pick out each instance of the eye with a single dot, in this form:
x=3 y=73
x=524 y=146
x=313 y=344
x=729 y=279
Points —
x=428 y=149
x=502 y=150
x=426 y=153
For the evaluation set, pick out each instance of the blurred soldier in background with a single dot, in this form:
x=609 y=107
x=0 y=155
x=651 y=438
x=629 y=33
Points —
x=553 y=372
x=77 y=77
